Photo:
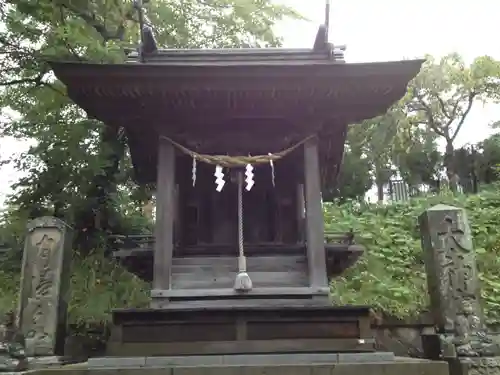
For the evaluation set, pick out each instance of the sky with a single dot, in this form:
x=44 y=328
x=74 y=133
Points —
x=385 y=30
x=381 y=30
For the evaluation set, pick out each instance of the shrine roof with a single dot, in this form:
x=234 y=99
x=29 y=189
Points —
x=237 y=101
x=240 y=55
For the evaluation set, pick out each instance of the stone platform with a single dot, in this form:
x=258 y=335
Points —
x=475 y=366
x=242 y=360
x=345 y=366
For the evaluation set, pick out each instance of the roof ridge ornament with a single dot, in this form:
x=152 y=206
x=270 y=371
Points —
x=321 y=43
x=148 y=43
x=327 y=18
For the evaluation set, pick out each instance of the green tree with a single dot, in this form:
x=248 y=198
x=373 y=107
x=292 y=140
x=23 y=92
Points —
x=354 y=179
x=417 y=159
x=486 y=159
x=443 y=94
x=377 y=139
x=78 y=168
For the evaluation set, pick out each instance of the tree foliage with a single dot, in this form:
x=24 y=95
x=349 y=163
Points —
x=390 y=275
x=77 y=168
x=486 y=159
x=377 y=140
x=404 y=142
x=80 y=170
x=354 y=179
x=443 y=94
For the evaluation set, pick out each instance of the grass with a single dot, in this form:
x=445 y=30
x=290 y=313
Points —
x=98 y=285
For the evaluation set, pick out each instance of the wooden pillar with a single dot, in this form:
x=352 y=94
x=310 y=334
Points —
x=165 y=212
x=315 y=231
x=177 y=218
x=300 y=213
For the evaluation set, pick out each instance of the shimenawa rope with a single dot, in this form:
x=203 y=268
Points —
x=242 y=282
x=236 y=161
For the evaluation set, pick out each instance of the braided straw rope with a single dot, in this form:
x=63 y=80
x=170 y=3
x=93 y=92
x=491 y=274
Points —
x=242 y=282
x=236 y=161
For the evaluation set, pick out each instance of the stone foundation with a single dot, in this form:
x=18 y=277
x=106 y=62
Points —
x=475 y=366
x=242 y=360
x=396 y=367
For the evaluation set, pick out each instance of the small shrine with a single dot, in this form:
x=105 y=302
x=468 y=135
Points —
x=240 y=144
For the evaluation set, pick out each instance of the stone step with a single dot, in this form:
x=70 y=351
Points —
x=242 y=360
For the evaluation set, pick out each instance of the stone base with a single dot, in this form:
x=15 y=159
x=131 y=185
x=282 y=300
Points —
x=35 y=363
x=242 y=360
x=475 y=366
x=181 y=330
x=12 y=365
x=398 y=366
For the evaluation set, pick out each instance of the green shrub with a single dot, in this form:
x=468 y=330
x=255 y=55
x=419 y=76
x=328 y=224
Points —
x=100 y=285
x=390 y=276
x=97 y=286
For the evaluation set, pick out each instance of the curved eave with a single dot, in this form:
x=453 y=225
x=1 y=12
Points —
x=212 y=92
x=170 y=98
x=113 y=79
x=324 y=88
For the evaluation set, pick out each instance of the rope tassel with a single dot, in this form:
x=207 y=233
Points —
x=242 y=283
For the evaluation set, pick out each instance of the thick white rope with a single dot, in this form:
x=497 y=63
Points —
x=240 y=218
x=242 y=283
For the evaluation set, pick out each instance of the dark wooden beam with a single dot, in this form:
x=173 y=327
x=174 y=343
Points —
x=300 y=212
x=315 y=231
x=229 y=293
x=237 y=347
x=234 y=107
x=164 y=231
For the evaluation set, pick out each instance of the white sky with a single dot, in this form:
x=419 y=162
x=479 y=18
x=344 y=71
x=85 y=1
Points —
x=393 y=30
x=379 y=31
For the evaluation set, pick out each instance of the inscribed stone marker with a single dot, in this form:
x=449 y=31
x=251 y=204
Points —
x=453 y=283
x=45 y=278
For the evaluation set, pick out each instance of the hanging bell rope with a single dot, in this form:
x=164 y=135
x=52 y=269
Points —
x=242 y=283
x=236 y=161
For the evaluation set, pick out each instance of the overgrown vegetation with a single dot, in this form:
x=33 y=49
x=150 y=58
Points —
x=98 y=285
x=77 y=169
x=80 y=171
x=389 y=277
x=415 y=140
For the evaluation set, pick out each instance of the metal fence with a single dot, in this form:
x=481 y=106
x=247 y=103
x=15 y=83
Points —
x=399 y=191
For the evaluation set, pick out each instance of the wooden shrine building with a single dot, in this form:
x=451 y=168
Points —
x=190 y=114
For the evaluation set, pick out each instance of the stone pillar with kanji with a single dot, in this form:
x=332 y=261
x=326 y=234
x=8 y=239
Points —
x=45 y=281
x=453 y=284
